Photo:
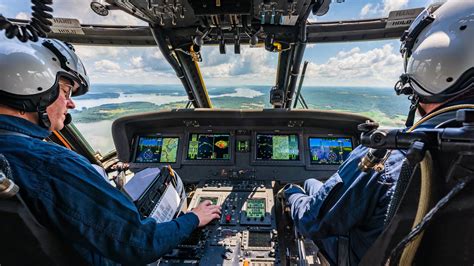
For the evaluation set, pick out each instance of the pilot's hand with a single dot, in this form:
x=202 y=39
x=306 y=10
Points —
x=206 y=212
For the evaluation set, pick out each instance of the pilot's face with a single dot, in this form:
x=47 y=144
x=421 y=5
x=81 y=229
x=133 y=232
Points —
x=58 y=110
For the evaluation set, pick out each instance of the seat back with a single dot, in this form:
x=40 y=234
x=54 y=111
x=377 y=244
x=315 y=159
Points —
x=24 y=241
x=447 y=240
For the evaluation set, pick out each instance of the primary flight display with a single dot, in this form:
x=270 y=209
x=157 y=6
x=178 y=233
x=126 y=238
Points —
x=329 y=150
x=155 y=149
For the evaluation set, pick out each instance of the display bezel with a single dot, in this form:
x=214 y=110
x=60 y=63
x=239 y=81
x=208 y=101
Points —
x=229 y=161
x=324 y=167
x=136 y=139
x=298 y=162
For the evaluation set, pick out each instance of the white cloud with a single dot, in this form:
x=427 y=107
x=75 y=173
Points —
x=152 y=61
x=376 y=67
x=252 y=62
x=382 y=9
x=137 y=61
x=366 y=10
x=430 y=2
x=106 y=66
x=343 y=54
x=312 y=18
x=91 y=52
x=22 y=15
x=390 y=5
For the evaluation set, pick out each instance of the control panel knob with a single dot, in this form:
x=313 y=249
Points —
x=271 y=253
x=227 y=255
x=228 y=217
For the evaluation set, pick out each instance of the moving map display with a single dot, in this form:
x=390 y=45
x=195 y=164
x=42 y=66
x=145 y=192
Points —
x=329 y=150
x=277 y=147
x=154 y=149
x=209 y=147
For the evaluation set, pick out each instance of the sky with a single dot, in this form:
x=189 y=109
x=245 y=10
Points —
x=374 y=63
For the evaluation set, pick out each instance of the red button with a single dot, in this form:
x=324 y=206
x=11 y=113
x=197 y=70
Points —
x=228 y=218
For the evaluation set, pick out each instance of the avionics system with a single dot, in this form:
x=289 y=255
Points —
x=209 y=147
x=156 y=149
x=280 y=147
x=328 y=151
x=246 y=233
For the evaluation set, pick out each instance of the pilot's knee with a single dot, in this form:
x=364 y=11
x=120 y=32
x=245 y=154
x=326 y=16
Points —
x=311 y=186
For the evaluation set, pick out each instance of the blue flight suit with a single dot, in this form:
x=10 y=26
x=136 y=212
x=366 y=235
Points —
x=351 y=205
x=68 y=196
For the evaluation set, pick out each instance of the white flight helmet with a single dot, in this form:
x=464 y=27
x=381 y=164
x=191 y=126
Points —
x=438 y=49
x=30 y=73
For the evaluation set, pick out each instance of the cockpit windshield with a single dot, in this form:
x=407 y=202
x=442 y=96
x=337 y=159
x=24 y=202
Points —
x=355 y=77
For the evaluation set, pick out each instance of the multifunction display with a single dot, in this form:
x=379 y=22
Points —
x=255 y=208
x=277 y=147
x=209 y=147
x=260 y=239
x=329 y=151
x=155 y=149
x=212 y=199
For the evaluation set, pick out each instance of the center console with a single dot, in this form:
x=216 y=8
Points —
x=246 y=232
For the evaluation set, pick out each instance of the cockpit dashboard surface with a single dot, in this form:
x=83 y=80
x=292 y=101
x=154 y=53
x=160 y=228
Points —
x=282 y=145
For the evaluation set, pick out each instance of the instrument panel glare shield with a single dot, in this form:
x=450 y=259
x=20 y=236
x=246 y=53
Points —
x=329 y=151
x=154 y=149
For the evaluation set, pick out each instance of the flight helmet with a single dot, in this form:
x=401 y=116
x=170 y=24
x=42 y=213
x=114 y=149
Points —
x=438 y=53
x=30 y=74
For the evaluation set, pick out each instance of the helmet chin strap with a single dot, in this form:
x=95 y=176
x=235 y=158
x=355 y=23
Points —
x=44 y=119
x=415 y=100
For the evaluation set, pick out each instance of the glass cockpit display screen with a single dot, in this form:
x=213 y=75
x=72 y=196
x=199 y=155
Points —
x=212 y=199
x=209 y=147
x=277 y=147
x=329 y=151
x=255 y=208
x=155 y=149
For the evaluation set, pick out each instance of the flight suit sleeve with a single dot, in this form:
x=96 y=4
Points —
x=87 y=211
x=307 y=210
x=343 y=201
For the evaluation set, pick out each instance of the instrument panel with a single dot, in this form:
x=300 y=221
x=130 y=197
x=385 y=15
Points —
x=282 y=145
x=217 y=147
x=239 y=159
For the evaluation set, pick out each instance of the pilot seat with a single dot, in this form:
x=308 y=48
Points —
x=24 y=241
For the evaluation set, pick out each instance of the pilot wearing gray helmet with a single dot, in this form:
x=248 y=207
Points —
x=346 y=214
x=61 y=188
